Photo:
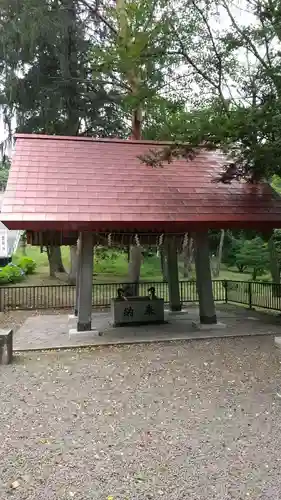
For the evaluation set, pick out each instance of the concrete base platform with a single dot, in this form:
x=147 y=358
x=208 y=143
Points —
x=42 y=332
x=277 y=342
x=119 y=338
x=214 y=326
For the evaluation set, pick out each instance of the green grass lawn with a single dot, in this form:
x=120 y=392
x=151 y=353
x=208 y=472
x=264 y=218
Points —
x=112 y=269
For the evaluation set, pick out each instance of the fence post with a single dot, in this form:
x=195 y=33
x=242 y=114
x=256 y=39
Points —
x=226 y=291
x=250 y=294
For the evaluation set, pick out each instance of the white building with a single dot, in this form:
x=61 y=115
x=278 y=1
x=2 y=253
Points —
x=9 y=241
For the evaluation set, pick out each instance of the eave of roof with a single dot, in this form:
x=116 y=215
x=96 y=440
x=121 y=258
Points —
x=75 y=183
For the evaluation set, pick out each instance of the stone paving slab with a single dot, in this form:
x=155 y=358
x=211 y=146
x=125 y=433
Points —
x=52 y=331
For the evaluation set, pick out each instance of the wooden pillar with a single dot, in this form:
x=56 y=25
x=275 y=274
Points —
x=207 y=309
x=6 y=347
x=173 y=274
x=85 y=282
x=78 y=273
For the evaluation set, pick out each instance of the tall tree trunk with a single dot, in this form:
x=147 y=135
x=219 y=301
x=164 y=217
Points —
x=188 y=258
x=254 y=274
x=274 y=263
x=173 y=274
x=70 y=73
x=134 y=268
x=217 y=266
x=55 y=260
x=73 y=264
x=52 y=261
x=59 y=267
x=22 y=244
x=134 y=82
x=274 y=267
x=163 y=260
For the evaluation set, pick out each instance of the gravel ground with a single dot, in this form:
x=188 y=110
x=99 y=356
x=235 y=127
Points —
x=197 y=420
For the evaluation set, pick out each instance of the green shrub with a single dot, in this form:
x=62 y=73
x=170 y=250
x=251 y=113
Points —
x=15 y=273
x=4 y=276
x=11 y=274
x=27 y=264
x=253 y=254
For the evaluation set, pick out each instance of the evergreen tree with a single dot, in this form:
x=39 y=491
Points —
x=47 y=81
x=47 y=84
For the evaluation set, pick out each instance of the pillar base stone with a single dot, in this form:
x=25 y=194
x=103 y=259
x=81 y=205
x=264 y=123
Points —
x=176 y=313
x=175 y=308
x=84 y=336
x=208 y=326
x=84 y=327
x=6 y=347
x=208 y=320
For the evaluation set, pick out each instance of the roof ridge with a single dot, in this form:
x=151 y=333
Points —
x=78 y=138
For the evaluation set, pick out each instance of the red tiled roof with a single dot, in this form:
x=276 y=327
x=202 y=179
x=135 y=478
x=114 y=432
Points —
x=72 y=183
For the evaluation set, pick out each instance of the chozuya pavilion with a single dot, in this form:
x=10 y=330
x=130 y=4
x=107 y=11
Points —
x=99 y=190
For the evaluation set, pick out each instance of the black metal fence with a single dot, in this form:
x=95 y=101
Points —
x=251 y=294
x=254 y=294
